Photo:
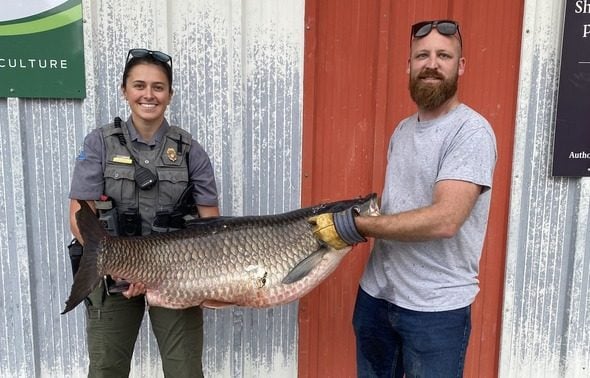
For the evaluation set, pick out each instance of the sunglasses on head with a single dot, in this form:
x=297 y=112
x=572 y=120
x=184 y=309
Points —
x=142 y=53
x=444 y=27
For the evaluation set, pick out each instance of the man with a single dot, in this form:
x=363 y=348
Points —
x=412 y=313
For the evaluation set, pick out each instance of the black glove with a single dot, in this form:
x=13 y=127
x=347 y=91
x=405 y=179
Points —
x=346 y=228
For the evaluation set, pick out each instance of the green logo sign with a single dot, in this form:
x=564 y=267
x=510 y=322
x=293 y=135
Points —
x=42 y=49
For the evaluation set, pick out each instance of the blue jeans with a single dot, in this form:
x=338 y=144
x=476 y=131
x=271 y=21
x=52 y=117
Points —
x=392 y=341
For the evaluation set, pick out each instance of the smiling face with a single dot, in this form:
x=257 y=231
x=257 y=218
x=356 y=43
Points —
x=148 y=92
x=434 y=66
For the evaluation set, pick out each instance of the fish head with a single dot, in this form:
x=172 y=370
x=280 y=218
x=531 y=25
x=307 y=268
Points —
x=366 y=206
x=369 y=206
x=322 y=261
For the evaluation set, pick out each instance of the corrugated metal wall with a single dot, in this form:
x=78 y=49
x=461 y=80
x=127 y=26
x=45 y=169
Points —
x=238 y=82
x=532 y=316
x=356 y=92
x=238 y=89
x=546 y=319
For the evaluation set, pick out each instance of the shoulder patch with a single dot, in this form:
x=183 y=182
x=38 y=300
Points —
x=81 y=155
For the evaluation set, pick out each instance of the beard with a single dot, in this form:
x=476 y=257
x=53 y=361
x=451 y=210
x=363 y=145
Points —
x=430 y=96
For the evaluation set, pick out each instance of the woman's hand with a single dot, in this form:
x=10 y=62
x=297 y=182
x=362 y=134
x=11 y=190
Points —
x=135 y=289
x=132 y=290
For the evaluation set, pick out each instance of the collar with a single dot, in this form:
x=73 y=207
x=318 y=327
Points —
x=135 y=137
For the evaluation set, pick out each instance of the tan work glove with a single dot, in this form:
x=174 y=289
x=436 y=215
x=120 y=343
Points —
x=325 y=230
x=338 y=230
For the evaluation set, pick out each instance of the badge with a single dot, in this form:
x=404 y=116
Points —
x=171 y=153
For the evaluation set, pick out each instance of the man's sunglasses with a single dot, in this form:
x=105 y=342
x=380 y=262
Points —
x=444 y=27
x=142 y=53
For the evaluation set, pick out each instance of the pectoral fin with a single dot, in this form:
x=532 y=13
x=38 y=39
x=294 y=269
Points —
x=305 y=266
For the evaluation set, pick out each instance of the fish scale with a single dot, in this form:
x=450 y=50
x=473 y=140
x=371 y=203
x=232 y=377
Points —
x=254 y=261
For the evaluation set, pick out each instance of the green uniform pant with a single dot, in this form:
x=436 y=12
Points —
x=113 y=323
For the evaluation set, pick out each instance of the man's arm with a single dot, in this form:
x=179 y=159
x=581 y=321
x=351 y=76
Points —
x=452 y=203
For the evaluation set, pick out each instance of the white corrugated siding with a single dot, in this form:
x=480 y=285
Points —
x=238 y=71
x=238 y=88
x=546 y=318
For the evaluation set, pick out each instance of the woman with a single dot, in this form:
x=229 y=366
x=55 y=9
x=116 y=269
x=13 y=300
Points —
x=134 y=174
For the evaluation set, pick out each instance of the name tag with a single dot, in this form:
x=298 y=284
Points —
x=122 y=159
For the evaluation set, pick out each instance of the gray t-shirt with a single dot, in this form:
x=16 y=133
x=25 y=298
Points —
x=437 y=275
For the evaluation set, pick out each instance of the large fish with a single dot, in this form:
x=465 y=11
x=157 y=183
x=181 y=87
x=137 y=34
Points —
x=255 y=261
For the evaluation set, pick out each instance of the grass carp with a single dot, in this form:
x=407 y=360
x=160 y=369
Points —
x=254 y=261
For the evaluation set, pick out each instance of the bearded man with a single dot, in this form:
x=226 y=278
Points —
x=412 y=315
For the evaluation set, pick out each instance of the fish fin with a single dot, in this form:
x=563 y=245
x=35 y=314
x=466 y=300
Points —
x=305 y=266
x=87 y=277
x=213 y=304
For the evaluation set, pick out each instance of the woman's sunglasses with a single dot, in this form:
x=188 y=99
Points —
x=142 y=53
x=444 y=27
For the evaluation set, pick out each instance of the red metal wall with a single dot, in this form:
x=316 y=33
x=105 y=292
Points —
x=355 y=92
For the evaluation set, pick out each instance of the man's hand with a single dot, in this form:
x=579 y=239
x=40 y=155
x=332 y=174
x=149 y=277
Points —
x=338 y=230
x=325 y=230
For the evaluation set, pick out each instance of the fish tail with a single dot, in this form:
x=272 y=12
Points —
x=87 y=277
